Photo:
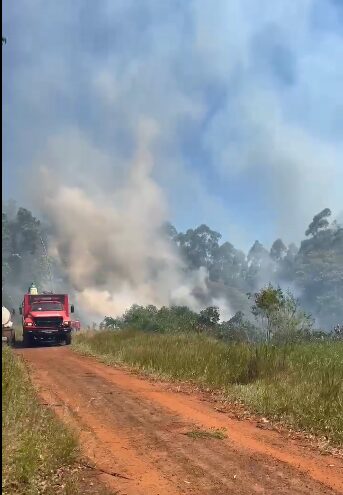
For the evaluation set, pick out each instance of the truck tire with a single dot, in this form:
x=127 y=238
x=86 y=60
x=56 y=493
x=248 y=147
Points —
x=68 y=339
x=27 y=341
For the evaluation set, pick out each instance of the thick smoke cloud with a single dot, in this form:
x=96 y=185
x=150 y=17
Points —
x=111 y=246
x=243 y=91
x=240 y=108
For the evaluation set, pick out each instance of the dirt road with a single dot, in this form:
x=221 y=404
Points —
x=136 y=430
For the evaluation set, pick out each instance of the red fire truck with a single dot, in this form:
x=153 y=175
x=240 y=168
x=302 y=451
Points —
x=46 y=317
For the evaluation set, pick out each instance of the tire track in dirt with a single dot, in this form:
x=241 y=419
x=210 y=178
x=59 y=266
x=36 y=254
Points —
x=131 y=426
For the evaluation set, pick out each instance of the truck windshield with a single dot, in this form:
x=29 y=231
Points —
x=47 y=306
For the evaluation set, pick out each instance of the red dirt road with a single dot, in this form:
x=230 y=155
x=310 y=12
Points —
x=135 y=430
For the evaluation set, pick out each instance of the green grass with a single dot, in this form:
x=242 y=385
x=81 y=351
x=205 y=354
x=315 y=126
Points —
x=35 y=445
x=301 y=385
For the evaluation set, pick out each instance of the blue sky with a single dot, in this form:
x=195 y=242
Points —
x=246 y=96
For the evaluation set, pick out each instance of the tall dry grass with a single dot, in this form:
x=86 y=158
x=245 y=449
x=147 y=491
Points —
x=34 y=443
x=300 y=384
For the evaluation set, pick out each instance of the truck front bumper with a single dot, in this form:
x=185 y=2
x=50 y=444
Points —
x=46 y=334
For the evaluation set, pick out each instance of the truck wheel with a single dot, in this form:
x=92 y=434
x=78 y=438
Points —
x=68 y=339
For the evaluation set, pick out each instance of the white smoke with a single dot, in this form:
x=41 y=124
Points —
x=247 y=95
x=110 y=245
x=248 y=101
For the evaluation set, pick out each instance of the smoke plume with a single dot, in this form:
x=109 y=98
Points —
x=240 y=107
x=111 y=246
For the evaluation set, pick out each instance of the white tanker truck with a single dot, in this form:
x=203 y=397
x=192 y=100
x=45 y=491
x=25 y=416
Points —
x=8 y=334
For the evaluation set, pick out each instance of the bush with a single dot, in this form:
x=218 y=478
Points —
x=280 y=316
x=151 y=319
x=280 y=320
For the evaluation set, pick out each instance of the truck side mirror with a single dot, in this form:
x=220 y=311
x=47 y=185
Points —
x=72 y=308
x=20 y=310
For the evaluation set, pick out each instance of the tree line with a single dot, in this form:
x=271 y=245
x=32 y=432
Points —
x=24 y=253
x=314 y=270
x=278 y=320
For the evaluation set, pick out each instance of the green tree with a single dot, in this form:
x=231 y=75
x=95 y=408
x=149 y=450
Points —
x=199 y=246
x=257 y=254
x=169 y=231
x=290 y=323
x=278 y=250
x=318 y=272
x=260 y=266
x=150 y=318
x=209 y=317
x=110 y=323
x=280 y=315
x=5 y=247
x=229 y=265
x=27 y=232
x=319 y=222
x=238 y=329
x=267 y=302
x=23 y=257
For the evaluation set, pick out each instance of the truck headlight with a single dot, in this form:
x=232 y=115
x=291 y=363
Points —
x=29 y=324
x=66 y=323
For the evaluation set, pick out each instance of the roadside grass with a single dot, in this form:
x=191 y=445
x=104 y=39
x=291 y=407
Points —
x=197 y=433
x=300 y=384
x=36 y=447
